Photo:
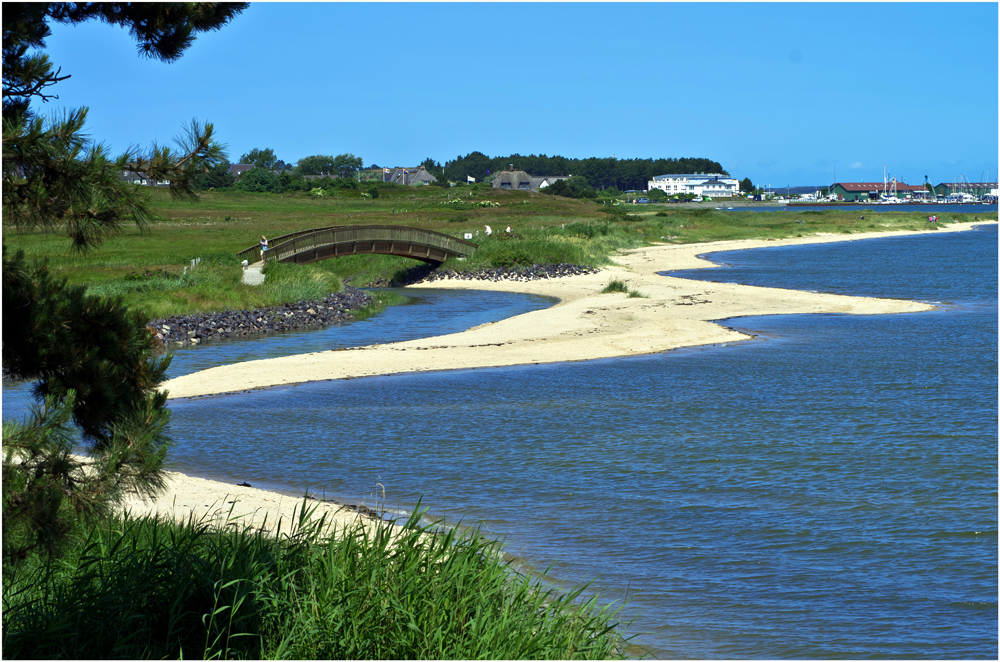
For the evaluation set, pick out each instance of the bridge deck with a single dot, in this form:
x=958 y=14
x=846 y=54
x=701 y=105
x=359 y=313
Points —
x=324 y=243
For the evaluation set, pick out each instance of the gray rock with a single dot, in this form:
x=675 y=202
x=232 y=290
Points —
x=334 y=309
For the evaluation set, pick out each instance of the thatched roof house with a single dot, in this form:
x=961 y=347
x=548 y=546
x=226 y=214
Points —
x=519 y=180
x=415 y=176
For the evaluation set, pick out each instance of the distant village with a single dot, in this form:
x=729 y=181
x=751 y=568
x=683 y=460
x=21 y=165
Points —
x=708 y=186
x=689 y=187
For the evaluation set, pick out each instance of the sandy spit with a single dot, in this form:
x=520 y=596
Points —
x=583 y=325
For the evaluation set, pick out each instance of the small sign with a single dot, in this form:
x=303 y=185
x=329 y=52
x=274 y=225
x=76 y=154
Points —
x=468 y=235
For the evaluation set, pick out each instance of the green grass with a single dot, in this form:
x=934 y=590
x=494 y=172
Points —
x=703 y=225
x=146 y=588
x=546 y=229
x=616 y=285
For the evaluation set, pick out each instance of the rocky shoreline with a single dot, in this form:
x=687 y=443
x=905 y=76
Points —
x=534 y=272
x=334 y=309
x=193 y=329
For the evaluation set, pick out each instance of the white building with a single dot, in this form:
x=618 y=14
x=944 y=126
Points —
x=713 y=185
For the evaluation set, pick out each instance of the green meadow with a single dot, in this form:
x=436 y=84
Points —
x=147 y=268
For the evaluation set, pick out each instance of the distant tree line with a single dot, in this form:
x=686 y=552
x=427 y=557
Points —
x=258 y=180
x=273 y=175
x=600 y=173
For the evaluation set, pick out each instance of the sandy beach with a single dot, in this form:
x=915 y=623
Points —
x=218 y=504
x=583 y=325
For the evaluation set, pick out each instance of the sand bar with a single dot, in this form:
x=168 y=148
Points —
x=583 y=325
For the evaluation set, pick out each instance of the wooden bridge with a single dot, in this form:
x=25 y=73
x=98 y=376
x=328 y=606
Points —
x=323 y=243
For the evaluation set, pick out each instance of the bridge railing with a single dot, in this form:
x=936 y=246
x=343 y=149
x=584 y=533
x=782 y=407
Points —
x=253 y=254
x=291 y=244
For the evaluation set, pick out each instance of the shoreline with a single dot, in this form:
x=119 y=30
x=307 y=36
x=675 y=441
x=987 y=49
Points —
x=215 y=503
x=583 y=325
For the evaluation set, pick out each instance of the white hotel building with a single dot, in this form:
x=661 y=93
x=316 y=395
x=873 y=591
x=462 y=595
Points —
x=713 y=185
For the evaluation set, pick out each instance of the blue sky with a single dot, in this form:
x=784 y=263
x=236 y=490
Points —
x=783 y=93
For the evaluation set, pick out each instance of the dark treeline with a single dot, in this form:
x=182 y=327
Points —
x=259 y=180
x=601 y=173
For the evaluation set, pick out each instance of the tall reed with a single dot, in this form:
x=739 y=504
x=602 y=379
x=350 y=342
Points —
x=148 y=588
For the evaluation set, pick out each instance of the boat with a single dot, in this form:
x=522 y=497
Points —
x=961 y=199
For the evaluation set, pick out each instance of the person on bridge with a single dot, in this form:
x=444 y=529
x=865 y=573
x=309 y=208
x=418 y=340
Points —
x=263 y=246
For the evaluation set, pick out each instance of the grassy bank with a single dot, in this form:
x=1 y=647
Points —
x=145 y=588
x=147 y=269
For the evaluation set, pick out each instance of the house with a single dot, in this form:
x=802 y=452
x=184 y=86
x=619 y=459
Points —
x=541 y=182
x=519 y=180
x=237 y=169
x=713 y=185
x=719 y=188
x=512 y=180
x=142 y=179
x=415 y=176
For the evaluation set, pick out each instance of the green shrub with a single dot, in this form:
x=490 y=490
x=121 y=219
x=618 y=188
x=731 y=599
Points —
x=574 y=187
x=511 y=258
x=589 y=230
x=618 y=213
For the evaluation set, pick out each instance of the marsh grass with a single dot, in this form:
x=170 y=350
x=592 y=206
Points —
x=524 y=249
x=148 y=588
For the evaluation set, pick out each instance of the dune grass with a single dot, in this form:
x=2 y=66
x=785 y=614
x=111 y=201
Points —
x=616 y=285
x=147 y=588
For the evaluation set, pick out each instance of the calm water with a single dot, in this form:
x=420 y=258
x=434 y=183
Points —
x=427 y=312
x=827 y=491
